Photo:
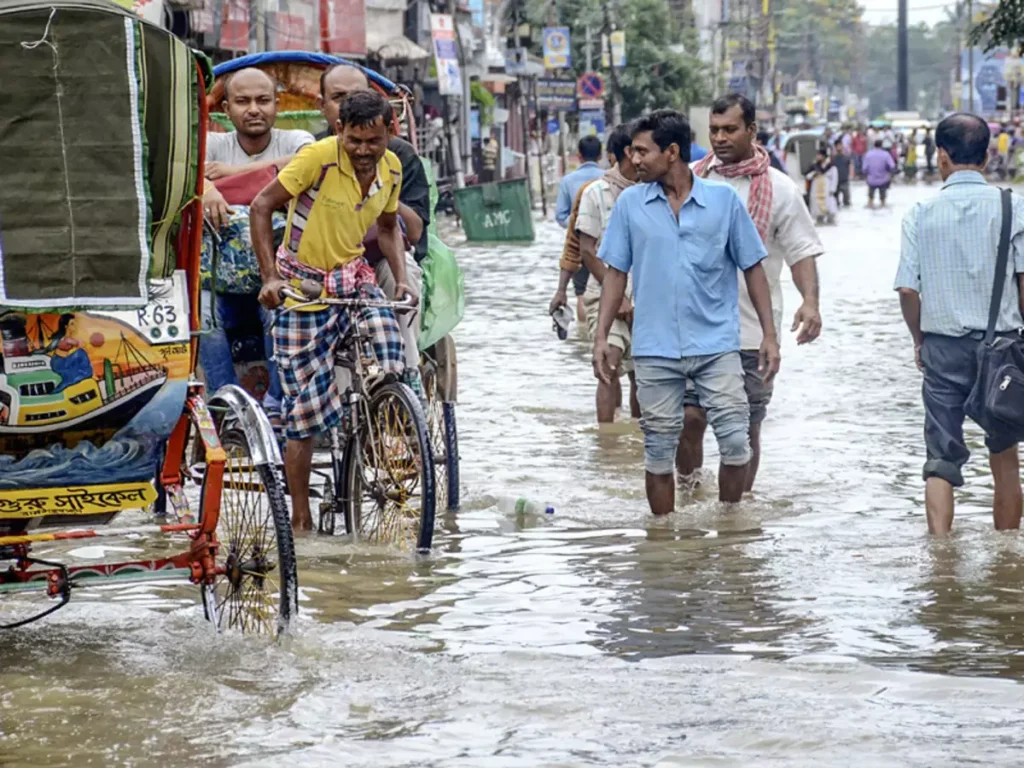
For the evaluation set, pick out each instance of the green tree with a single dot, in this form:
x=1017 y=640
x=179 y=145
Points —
x=662 y=69
x=1004 y=25
x=819 y=40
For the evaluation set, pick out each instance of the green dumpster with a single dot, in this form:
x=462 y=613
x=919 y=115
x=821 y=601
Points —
x=496 y=213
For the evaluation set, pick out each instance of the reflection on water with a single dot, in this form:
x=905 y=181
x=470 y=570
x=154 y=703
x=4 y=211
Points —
x=812 y=622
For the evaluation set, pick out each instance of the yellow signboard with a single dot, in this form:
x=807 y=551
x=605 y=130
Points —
x=81 y=500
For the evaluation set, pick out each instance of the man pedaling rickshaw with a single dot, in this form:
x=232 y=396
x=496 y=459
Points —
x=336 y=83
x=336 y=189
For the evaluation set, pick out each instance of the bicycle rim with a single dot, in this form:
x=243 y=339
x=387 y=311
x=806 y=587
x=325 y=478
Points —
x=390 y=483
x=257 y=593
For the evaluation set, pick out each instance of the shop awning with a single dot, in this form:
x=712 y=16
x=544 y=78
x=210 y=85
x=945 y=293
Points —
x=384 y=33
x=399 y=48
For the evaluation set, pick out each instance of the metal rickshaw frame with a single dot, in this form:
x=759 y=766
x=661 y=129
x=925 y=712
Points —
x=206 y=561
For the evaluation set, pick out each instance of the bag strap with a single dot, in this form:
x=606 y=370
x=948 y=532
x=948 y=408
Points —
x=1002 y=257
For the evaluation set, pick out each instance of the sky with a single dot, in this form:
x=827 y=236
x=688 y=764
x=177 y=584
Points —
x=884 y=11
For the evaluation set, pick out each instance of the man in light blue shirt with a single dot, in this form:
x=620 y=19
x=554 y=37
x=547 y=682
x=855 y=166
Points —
x=684 y=238
x=947 y=267
x=590 y=153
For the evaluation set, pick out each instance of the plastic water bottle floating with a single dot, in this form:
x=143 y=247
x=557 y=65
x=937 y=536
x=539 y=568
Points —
x=512 y=505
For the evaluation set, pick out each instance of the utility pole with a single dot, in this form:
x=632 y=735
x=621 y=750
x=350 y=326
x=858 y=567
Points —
x=970 y=57
x=901 y=58
x=612 y=110
x=456 y=152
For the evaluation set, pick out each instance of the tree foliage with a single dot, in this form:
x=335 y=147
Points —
x=663 y=69
x=820 y=40
x=1003 y=26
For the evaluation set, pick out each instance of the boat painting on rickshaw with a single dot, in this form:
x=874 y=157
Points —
x=90 y=397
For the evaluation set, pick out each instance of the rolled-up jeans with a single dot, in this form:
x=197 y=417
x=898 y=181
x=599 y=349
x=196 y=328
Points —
x=661 y=390
x=215 y=347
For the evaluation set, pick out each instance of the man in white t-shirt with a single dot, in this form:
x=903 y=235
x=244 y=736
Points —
x=250 y=101
x=595 y=209
x=777 y=207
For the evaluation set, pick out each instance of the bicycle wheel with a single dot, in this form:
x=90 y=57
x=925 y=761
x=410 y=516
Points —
x=258 y=591
x=444 y=444
x=389 y=472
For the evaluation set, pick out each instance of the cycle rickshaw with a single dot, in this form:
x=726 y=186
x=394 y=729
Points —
x=388 y=492
x=102 y=129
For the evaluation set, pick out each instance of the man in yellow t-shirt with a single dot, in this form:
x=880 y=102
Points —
x=335 y=189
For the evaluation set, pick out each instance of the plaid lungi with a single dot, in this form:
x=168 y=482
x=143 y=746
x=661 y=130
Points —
x=304 y=348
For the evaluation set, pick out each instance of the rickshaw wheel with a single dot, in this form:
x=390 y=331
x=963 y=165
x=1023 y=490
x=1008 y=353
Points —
x=389 y=472
x=444 y=443
x=258 y=591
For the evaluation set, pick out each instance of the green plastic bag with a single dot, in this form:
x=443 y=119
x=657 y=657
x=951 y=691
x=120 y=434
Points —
x=444 y=302
x=444 y=299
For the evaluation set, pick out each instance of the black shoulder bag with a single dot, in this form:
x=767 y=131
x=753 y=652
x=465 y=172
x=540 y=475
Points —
x=996 y=402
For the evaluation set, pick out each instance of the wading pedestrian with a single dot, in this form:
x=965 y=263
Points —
x=788 y=232
x=945 y=280
x=683 y=238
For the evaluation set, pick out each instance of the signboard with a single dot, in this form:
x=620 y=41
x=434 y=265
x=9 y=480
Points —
x=515 y=61
x=557 y=54
x=446 y=54
x=346 y=27
x=590 y=86
x=234 y=25
x=592 y=123
x=591 y=104
x=553 y=126
x=555 y=93
x=616 y=42
x=291 y=32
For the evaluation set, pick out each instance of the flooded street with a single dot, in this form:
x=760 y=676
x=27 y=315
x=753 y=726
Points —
x=815 y=622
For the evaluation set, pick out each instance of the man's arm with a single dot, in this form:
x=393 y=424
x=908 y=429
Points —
x=747 y=251
x=617 y=253
x=588 y=255
x=570 y=261
x=389 y=240
x=215 y=170
x=769 y=357
x=261 y=228
x=808 y=316
x=798 y=238
x=563 y=206
x=908 y=281
x=413 y=223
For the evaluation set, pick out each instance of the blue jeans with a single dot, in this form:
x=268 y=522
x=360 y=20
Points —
x=215 y=347
x=661 y=391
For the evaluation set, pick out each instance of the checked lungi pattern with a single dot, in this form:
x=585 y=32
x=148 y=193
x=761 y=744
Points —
x=304 y=348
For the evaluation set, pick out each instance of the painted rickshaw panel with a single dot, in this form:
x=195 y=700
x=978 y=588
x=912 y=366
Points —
x=91 y=390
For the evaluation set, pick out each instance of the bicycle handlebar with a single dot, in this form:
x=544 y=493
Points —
x=308 y=295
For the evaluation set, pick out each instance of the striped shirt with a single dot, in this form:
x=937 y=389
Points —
x=948 y=255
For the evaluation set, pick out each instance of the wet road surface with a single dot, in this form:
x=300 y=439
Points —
x=814 y=625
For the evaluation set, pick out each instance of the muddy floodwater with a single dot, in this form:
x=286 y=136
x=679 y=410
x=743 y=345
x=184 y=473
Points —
x=814 y=625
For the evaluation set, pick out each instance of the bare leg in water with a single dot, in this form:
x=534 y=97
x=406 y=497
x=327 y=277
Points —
x=298 y=463
x=1006 y=502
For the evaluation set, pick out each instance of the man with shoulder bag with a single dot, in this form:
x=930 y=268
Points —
x=961 y=282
